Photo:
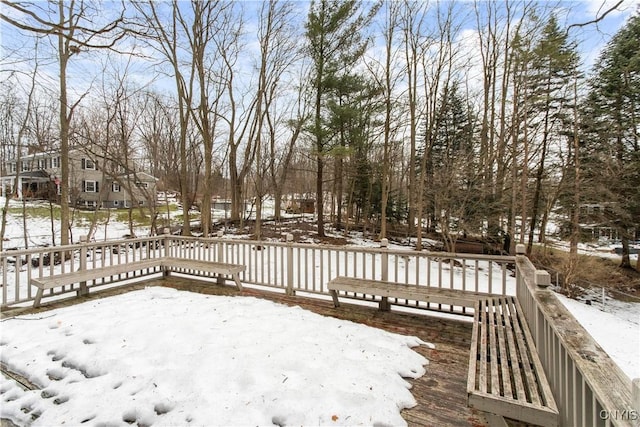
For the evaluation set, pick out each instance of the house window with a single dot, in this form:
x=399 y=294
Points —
x=25 y=166
x=90 y=186
x=115 y=187
x=55 y=162
x=142 y=184
x=90 y=203
x=116 y=203
x=42 y=163
x=140 y=202
x=88 y=164
x=12 y=167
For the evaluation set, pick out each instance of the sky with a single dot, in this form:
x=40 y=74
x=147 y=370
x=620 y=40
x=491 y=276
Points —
x=84 y=68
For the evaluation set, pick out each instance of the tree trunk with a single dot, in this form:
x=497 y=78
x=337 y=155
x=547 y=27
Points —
x=319 y=195
x=64 y=132
x=339 y=191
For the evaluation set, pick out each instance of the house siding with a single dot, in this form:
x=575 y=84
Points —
x=89 y=186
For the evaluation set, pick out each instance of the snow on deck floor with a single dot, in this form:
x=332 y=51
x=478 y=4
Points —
x=165 y=357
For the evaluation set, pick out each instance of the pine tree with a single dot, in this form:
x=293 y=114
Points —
x=553 y=70
x=611 y=118
x=352 y=103
x=334 y=43
x=453 y=195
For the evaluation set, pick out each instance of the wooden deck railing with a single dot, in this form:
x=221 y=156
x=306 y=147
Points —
x=298 y=267
x=293 y=267
x=589 y=388
x=17 y=267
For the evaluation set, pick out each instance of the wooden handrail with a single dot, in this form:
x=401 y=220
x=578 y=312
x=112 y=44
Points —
x=588 y=386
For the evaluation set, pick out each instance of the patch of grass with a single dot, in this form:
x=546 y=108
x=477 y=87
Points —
x=172 y=207
x=39 y=211
x=588 y=270
x=140 y=216
x=82 y=217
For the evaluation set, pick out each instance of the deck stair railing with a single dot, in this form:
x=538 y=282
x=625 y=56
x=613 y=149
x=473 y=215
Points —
x=589 y=388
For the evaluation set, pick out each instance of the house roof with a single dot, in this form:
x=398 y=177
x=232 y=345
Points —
x=30 y=176
x=35 y=174
x=141 y=176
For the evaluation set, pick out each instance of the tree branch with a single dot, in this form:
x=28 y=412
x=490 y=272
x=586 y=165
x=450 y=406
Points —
x=597 y=18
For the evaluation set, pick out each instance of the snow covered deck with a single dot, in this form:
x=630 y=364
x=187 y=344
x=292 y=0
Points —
x=440 y=393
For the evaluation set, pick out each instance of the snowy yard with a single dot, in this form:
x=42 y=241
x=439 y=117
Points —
x=171 y=357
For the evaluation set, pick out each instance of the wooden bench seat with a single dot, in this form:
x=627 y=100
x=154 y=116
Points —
x=387 y=290
x=83 y=276
x=505 y=374
x=189 y=266
x=167 y=264
x=506 y=377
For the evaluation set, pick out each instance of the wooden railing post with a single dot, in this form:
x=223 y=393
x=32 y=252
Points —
x=290 y=290
x=521 y=251
x=220 y=254
x=384 y=243
x=167 y=250
x=83 y=264
x=167 y=242
x=635 y=398
x=543 y=279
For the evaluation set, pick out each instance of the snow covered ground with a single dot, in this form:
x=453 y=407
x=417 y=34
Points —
x=616 y=327
x=168 y=357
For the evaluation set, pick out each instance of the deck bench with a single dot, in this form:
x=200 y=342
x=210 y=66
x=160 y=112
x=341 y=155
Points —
x=190 y=266
x=506 y=377
x=166 y=264
x=387 y=290
x=83 y=276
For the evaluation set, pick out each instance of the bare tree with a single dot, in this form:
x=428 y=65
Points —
x=10 y=124
x=413 y=18
x=277 y=53
x=71 y=25
x=210 y=21
x=387 y=80
x=165 y=35
x=437 y=71
x=281 y=155
x=239 y=113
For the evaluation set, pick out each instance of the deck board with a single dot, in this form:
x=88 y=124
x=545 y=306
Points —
x=441 y=393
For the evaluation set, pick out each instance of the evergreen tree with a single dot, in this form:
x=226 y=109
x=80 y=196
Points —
x=611 y=118
x=553 y=71
x=352 y=104
x=453 y=194
x=334 y=43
